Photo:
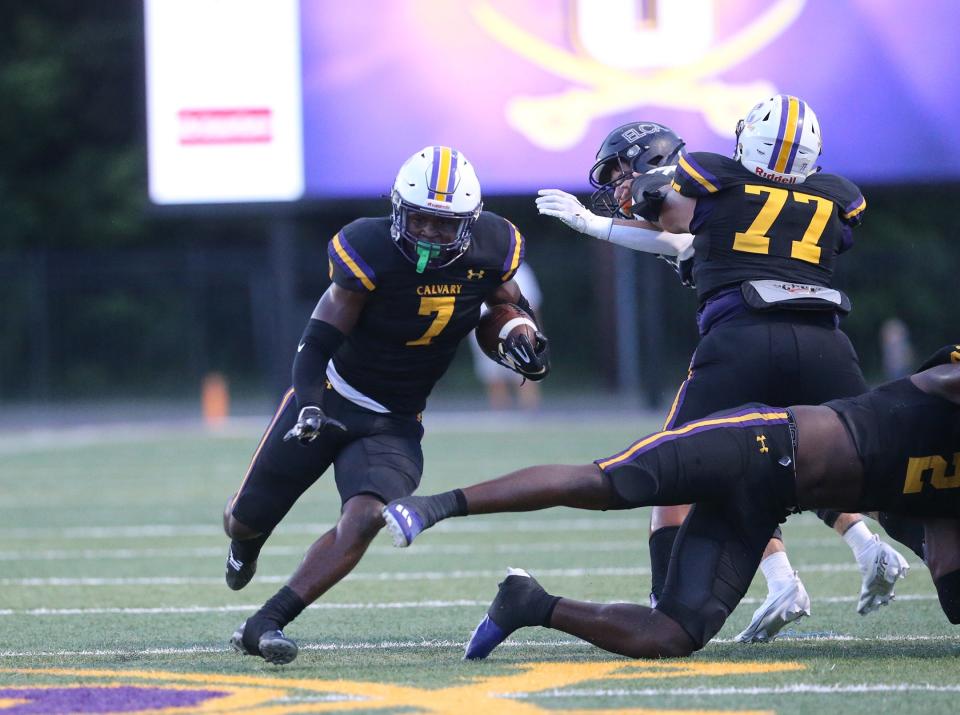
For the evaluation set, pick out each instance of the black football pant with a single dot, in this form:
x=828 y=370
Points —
x=737 y=468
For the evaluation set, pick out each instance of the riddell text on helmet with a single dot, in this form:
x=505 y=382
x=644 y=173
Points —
x=775 y=177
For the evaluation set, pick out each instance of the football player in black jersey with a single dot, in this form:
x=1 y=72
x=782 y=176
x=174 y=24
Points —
x=406 y=289
x=762 y=255
x=894 y=449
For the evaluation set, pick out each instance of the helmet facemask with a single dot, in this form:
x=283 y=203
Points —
x=637 y=147
x=452 y=237
x=436 y=200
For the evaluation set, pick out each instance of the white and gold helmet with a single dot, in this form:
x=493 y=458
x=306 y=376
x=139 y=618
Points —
x=780 y=139
x=436 y=182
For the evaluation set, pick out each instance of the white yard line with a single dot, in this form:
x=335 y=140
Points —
x=322 y=606
x=382 y=576
x=220 y=551
x=326 y=605
x=202 y=552
x=490 y=525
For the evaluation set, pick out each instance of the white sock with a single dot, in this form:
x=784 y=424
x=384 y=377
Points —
x=858 y=538
x=777 y=569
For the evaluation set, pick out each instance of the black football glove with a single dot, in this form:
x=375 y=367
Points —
x=310 y=424
x=531 y=361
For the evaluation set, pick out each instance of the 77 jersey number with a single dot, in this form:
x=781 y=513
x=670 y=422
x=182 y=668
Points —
x=755 y=238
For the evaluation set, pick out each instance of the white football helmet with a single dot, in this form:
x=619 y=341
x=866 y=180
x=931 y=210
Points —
x=439 y=182
x=779 y=139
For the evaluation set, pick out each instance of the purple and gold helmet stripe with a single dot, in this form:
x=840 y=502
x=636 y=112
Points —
x=792 y=112
x=351 y=262
x=690 y=168
x=442 y=174
x=855 y=208
x=747 y=418
x=287 y=396
x=514 y=255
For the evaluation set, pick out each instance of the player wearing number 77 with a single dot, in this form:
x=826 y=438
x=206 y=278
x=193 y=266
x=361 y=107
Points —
x=768 y=228
x=406 y=289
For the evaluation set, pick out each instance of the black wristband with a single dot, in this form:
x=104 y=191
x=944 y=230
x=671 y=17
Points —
x=318 y=343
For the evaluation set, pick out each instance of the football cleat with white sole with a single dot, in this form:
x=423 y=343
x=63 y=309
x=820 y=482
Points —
x=404 y=522
x=272 y=646
x=785 y=605
x=881 y=566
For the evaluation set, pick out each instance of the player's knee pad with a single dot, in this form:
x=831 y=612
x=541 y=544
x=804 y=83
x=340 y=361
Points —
x=948 y=590
x=708 y=592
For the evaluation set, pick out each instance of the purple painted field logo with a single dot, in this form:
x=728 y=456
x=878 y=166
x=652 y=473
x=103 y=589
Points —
x=96 y=699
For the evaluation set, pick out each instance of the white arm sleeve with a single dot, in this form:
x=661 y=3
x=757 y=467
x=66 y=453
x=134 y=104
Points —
x=642 y=239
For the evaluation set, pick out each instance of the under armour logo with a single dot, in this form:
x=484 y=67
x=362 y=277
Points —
x=762 y=439
x=473 y=275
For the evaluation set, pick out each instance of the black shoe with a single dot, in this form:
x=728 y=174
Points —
x=521 y=601
x=239 y=573
x=272 y=645
x=276 y=648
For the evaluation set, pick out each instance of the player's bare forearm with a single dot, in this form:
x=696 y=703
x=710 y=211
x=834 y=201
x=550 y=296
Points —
x=508 y=292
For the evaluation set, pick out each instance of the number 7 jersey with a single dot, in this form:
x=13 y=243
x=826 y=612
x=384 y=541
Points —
x=750 y=228
x=412 y=323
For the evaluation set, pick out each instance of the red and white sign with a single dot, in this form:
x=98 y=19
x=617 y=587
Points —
x=224 y=120
x=225 y=126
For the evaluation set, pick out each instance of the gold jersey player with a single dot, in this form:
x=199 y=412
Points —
x=895 y=449
x=767 y=228
x=406 y=289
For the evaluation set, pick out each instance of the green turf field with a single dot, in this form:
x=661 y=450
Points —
x=112 y=596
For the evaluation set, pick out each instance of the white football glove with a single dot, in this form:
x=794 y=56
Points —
x=566 y=207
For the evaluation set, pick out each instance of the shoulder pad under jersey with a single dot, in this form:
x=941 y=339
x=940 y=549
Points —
x=499 y=244
x=701 y=173
x=356 y=251
x=843 y=192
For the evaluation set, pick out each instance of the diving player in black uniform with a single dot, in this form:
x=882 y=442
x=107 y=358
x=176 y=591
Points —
x=895 y=449
x=407 y=288
x=767 y=230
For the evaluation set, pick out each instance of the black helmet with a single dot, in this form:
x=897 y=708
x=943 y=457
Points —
x=637 y=146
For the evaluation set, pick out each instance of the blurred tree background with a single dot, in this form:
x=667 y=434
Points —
x=102 y=294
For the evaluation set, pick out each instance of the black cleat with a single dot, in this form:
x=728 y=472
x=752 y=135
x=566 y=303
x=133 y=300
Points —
x=520 y=602
x=272 y=646
x=276 y=648
x=239 y=573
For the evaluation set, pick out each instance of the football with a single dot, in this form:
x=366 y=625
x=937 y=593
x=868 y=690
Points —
x=500 y=322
